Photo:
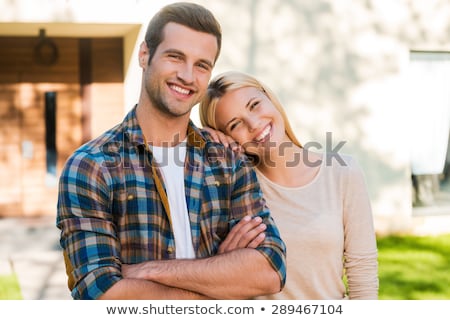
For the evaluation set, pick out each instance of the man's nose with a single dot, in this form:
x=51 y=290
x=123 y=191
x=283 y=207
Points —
x=186 y=73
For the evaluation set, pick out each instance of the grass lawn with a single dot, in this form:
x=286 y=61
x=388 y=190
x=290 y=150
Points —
x=410 y=268
x=9 y=288
x=414 y=268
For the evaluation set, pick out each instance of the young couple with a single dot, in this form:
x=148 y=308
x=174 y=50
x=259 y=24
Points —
x=135 y=224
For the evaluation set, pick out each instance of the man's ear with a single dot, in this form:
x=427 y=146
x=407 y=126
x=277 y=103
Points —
x=143 y=55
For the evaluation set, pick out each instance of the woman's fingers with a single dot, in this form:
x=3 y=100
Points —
x=245 y=234
x=220 y=137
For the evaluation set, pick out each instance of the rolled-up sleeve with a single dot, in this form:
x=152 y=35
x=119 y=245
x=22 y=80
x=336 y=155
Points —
x=88 y=236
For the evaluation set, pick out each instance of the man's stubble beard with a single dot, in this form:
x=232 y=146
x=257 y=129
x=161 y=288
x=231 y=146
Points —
x=154 y=93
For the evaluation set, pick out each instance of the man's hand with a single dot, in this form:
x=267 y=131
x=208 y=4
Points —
x=248 y=233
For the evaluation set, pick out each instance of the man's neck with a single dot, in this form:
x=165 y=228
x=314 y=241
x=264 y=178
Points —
x=160 y=129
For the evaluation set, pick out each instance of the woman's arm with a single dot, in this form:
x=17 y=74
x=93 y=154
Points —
x=360 y=252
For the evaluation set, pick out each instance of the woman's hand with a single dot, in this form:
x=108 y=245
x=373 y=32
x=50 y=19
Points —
x=248 y=233
x=220 y=137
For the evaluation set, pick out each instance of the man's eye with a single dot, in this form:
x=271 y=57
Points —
x=204 y=66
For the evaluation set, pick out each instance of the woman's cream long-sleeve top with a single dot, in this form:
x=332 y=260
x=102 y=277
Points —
x=327 y=226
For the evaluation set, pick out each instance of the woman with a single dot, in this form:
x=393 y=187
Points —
x=319 y=202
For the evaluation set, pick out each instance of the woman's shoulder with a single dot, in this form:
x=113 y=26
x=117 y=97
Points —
x=342 y=164
x=339 y=160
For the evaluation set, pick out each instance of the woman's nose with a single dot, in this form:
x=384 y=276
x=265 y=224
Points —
x=253 y=123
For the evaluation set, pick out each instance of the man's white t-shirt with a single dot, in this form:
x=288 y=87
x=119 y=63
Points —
x=171 y=162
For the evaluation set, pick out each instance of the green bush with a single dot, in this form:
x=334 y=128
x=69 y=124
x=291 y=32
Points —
x=9 y=288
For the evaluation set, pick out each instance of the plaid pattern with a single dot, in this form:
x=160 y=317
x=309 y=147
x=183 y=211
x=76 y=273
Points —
x=112 y=207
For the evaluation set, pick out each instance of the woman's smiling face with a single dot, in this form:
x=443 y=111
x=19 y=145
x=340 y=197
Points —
x=249 y=117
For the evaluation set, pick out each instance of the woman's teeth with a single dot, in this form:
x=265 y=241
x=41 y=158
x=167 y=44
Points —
x=264 y=134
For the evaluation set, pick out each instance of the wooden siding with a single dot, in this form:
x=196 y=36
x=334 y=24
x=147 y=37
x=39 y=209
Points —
x=25 y=187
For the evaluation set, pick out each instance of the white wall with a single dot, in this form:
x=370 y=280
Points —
x=340 y=67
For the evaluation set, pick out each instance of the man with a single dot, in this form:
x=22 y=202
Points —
x=146 y=208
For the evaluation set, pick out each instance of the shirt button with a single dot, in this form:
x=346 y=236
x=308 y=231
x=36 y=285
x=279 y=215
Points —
x=169 y=250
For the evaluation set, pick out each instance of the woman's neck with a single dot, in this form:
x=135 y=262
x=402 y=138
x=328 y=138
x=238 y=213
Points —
x=290 y=166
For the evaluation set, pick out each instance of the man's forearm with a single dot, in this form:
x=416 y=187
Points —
x=138 y=289
x=239 y=274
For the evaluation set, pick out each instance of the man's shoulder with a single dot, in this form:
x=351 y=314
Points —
x=107 y=147
x=217 y=155
x=118 y=135
x=205 y=135
x=109 y=137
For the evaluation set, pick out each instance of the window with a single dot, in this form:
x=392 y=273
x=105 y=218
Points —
x=50 y=137
x=429 y=105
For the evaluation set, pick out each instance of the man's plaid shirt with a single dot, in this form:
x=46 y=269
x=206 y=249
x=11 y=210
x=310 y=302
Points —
x=112 y=206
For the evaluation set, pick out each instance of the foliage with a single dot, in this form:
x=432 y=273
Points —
x=9 y=288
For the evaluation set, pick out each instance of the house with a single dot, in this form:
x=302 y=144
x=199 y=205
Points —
x=346 y=71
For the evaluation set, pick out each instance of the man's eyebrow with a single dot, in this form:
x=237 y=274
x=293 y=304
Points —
x=181 y=53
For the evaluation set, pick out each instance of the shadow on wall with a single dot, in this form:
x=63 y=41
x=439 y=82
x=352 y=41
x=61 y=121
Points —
x=313 y=56
x=338 y=68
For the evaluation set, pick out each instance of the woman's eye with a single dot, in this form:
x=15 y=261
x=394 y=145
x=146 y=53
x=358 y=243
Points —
x=254 y=105
x=234 y=125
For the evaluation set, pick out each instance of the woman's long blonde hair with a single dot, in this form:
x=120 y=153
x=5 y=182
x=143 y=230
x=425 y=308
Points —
x=233 y=80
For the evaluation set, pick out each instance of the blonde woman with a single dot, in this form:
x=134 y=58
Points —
x=319 y=202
